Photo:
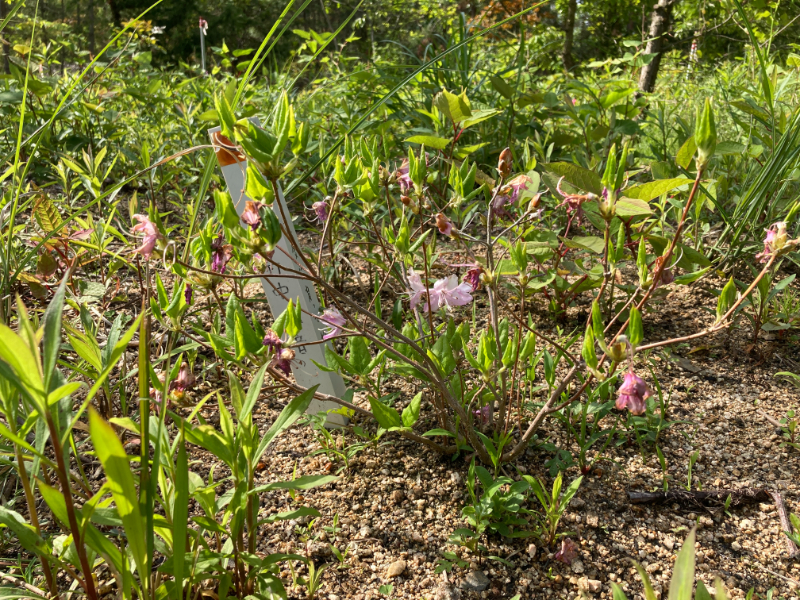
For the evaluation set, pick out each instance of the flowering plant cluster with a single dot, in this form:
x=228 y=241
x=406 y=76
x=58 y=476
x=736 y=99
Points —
x=463 y=255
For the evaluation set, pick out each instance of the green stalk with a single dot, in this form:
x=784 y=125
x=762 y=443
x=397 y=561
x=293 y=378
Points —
x=145 y=495
x=77 y=534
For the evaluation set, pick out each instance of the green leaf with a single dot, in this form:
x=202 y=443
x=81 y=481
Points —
x=686 y=152
x=588 y=352
x=682 y=582
x=581 y=178
x=51 y=341
x=180 y=515
x=730 y=148
x=306 y=482
x=24 y=533
x=225 y=211
x=479 y=116
x=592 y=243
x=386 y=416
x=649 y=593
x=430 y=141
x=635 y=329
x=726 y=298
x=18 y=355
x=456 y=107
x=654 y=189
x=502 y=87
x=438 y=431
x=411 y=412
x=293 y=411
x=627 y=208
x=618 y=593
x=688 y=278
x=117 y=468
x=253 y=392
x=702 y=591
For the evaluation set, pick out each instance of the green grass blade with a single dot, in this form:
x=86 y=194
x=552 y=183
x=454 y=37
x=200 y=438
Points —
x=682 y=582
x=180 y=517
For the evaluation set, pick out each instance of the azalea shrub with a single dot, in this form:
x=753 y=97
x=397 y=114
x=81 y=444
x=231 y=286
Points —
x=461 y=254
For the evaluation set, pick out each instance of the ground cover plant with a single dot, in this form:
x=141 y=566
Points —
x=512 y=262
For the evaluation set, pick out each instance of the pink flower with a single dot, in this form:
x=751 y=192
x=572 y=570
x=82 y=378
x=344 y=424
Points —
x=568 y=552
x=403 y=177
x=272 y=341
x=632 y=394
x=151 y=235
x=444 y=224
x=448 y=292
x=203 y=25
x=445 y=292
x=473 y=277
x=418 y=289
x=517 y=185
x=573 y=202
x=185 y=379
x=321 y=209
x=775 y=240
x=334 y=318
x=251 y=215
x=483 y=414
x=283 y=361
x=220 y=254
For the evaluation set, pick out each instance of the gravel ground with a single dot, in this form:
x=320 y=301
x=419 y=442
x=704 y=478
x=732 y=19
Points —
x=398 y=503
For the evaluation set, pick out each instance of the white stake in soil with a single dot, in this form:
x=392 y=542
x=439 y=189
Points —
x=279 y=291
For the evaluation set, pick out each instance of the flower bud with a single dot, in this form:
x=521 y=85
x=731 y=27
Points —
x=705 y=134
x=618 y=351
x=504 y=164
x=608 y=209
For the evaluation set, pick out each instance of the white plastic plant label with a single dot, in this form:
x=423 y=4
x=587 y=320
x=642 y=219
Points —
x=280 y=290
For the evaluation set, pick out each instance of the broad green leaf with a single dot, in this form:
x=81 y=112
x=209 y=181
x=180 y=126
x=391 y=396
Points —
x=24 y=533
x=479 y=116
x=430 y=141
x=386 y=416
x=680 y=587
x=120 y=481
x=627 y=208
x=684 y=157
x=411 y=412
x=581 y=178
x=592 y=243
x=724 y=148
x=502 y=87
x=654 y=189
x=18 y=355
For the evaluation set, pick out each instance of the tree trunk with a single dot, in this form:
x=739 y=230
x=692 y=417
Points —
x=569 y=34
x=116 y=16
x=91 y=27
x=4 y=42
x=659 y=28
